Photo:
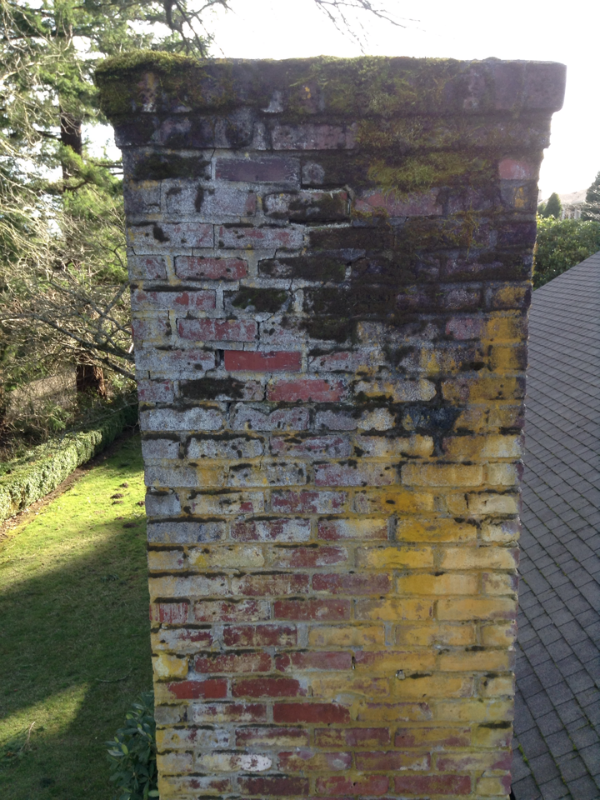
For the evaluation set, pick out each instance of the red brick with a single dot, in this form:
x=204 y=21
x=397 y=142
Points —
x=358 y=785
x=433 y=784
x=308 y=557
x=308 y=502
x=312 y=610
x=248 y=361
x=354 y=474
x=414 y=204
x=365 y=529
x=209 y=663
x=306 y=390
x=323 y=446
x=310 y=713
x=210 y=269
x=268 y=687
x=513 y=169
x=260 y=636
x=271 y=530
x=355 y=584
x=469 y=762
x=150 y=268
x=309 y=660
x=217 y=330
x=266 y=238
x=193 y=690
x=302 y=760
x=386 y=762
x=259 y=169
x=269 y=585
x=169 y=613
x=436 y=737
x=230 y=611
x=202 y=300
x=269 y=736
x=155 y=391
x=278 y=785
x=352 y=737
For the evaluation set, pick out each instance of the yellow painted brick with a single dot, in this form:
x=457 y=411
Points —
x=232 y=557
x=187 y=586
x=476 y=608
x=393 y=712
x=483 y=447
x=490 y=503
x=388 y=662
x=346 y=636
x=474 y=710
x=507 y=358
x=393 y=500
x=504 y=328
x=165 y=560
x=439 y=737
x=442 y=475
x=476 y=661
x=498 y=685
x=432 y=633
x=502 y=475
x=174 y=763
x=450 y=583
x=393 y=610
x=435 y=530
x=187 y=788
x=233 y=762
x=473 y=762
x=502 y=634
x=332 y=686
x=482 y=388
x=398 y=391
x=501 y=533
x=499 y=583
x=479 y=558
x=394 y=557
x=492 y=787
x=168 y=666
x=384 y=447
x=423 y=686
x=494 y=734
x=456 y=504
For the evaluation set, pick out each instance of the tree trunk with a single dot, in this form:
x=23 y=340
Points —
x=89 y=378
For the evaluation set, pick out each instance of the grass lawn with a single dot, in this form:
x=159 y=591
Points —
x=74 y=633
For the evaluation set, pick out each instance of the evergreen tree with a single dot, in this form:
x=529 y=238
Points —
x=591 y=209
x=553 y=207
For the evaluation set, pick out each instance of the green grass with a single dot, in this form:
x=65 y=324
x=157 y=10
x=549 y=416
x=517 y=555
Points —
x=74 y=634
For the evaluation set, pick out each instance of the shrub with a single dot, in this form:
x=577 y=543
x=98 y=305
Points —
x=27 y=479
x=561 y=244
x=132 y=753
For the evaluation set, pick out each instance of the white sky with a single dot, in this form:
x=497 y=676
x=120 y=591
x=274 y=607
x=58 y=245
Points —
x=511 y=29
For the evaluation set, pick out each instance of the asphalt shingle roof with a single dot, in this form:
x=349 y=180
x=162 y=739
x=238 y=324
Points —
x=557 y=717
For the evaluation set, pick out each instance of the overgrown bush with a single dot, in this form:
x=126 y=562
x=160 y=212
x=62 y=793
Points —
x=132 y=753
x=561 y=244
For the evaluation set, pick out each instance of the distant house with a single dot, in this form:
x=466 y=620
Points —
x=572 y=204
x=557 y=724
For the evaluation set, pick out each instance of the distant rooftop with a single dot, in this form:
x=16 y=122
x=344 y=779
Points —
x=557 y=752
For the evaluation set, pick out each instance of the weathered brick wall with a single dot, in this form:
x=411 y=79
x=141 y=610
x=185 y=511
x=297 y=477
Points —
x=330 y=266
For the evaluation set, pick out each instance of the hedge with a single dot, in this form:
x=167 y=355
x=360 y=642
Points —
x=49 y=464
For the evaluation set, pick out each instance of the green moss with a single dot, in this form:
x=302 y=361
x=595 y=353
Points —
x=423 y=172
x=159 y=167
x=309 y=268
x=328 y=329
x=262 y=300
x=211 y=388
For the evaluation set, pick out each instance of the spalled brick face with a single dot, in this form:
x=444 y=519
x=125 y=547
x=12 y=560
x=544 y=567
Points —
x=330 y=290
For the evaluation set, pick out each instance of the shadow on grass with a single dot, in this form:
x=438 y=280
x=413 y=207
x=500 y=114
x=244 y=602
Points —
x=75 y=654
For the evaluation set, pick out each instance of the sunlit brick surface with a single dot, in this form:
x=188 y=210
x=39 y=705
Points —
x=330 y=266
